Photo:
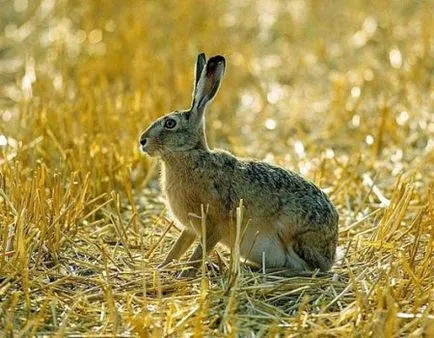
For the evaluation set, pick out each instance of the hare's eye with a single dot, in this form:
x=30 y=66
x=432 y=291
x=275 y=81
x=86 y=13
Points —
x=169 y=123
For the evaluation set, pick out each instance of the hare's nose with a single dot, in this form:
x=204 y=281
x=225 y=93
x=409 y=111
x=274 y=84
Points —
x=143 y=141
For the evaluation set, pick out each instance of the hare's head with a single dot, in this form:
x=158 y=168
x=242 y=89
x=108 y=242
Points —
x=184 y=130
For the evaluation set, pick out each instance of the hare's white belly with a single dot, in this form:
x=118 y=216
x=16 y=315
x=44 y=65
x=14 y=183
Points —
x=270 y=249
x=264 y=248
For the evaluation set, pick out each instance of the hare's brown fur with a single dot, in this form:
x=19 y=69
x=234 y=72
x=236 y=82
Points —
x=291 y=222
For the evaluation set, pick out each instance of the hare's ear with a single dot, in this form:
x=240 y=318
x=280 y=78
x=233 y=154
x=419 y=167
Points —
x=200 y=64
x=207 y=82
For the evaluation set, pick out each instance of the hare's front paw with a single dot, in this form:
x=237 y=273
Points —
x=187 y=273
x=160 y=266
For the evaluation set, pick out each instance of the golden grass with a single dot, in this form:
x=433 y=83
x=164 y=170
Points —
x=341 y=92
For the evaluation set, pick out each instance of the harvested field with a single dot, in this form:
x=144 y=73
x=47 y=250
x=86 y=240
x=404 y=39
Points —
x=342 y=92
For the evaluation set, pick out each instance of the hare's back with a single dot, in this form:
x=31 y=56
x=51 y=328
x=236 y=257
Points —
x=271 y=191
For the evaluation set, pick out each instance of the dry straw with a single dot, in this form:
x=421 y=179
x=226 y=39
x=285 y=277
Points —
x=345 y=99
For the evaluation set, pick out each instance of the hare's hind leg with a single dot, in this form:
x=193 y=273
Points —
x=316 y=250
x=291 y=262
x=295 y=262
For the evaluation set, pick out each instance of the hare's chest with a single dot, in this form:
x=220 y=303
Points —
x=184 y=196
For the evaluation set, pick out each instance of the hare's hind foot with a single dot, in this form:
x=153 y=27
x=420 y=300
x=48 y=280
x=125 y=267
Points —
x=289 y=273
x=294 y=262
x=317 y=254
x=292 y=265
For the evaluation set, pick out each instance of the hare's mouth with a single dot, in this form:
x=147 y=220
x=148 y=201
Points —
x=144 y=144
x=149 y=150
x=145 y=149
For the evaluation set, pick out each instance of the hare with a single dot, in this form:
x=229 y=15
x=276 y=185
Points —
x=291 y=223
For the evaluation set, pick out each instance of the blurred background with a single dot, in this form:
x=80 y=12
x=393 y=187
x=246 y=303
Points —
x=79 y=81
x=341 y=91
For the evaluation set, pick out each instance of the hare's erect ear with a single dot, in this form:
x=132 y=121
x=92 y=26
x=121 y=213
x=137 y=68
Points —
x=208 y=82
x=200 y=64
